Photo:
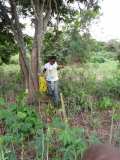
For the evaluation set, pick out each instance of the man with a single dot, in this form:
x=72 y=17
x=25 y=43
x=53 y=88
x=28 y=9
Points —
x=50 y=69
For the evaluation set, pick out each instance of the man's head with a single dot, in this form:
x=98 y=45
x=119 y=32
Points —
x=102 y=152
x=52 y=60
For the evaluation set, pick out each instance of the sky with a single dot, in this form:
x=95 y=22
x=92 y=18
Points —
x=107 y=27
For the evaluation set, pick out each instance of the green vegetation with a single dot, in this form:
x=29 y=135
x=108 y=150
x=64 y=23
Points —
x=23 y=127
x=92 y=88
x=30 y=127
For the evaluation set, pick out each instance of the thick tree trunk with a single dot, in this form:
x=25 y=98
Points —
x=30 y=70
x=32 y=99
x=34 y=66
x=28 y=81
x=24 y=71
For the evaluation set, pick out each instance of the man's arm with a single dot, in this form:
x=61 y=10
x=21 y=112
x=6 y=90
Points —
x=44 y=70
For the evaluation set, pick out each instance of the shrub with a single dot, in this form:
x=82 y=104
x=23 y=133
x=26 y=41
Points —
x=109 y=87
x=14 y=59
x=10 y=82
x=77 y=87
x=20 y=122
x=105 y=103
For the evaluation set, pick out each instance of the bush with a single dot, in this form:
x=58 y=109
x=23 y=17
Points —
x=10 y=82
x=90 y=85
x=105 y=103
x=77 y=87
x=109 y=87
x=14 y=59
x=20 y=122
x=103 y=56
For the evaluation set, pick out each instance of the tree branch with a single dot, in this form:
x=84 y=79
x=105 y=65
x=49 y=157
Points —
x=15 y=21
x=3 y=13
x=47 y=16
x=57 y=12
x=38 y=7
x=34 y=9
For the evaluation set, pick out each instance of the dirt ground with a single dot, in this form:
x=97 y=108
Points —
x=99 y=123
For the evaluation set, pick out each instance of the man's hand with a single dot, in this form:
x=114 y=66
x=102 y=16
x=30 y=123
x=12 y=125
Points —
x=44 y=70
x=60 y=67
x=41 y=74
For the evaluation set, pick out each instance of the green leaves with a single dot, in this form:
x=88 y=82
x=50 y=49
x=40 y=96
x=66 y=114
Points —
x=66 y=136
x=20 y=122
x=57 y=123
x=116 y=117
x=2 y=101
x=71 y=135
x=21 y=115
x=7 y=46
x=105 y=103
x=73 y=141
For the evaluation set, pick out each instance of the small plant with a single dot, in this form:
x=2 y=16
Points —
x=6 y=154
x=21 y=124
x=105 y=103
x=93 y=139
x=20 y=121
x=73 y=141
x=94 y=120
x=2 y=101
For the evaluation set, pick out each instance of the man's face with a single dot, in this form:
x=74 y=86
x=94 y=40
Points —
x=52 y=61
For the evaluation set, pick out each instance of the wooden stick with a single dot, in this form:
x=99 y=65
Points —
x=63 y=108
x=111 y=128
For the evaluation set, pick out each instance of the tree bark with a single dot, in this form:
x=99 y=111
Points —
x=30 y=70
x=26 y=67
x=24 y=71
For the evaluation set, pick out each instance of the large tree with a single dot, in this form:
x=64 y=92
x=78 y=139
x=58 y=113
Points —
x=42 y=12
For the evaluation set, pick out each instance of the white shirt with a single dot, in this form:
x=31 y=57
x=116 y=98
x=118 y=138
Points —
x=51 y=72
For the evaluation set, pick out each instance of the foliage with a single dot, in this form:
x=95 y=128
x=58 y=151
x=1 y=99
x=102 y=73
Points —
x=103 y=56
x=61 y=140
x=7 y=46
x=68 y=44
x=2 y=101
x=113 y=45
x=116 y=117
x=88 y=11
x=54 y=44
x=77 y=92
x=10 y=82
x=105 y=103
x=94 y=139
x=90 y=85
x=94 y=121
x=79 y=46
x=93 y=83
x=108 y=87
x=20 y=122
x=73 y=143
x=6 y=154
x=14 y=59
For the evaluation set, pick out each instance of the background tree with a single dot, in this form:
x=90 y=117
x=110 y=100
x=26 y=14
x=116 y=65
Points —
x=42 y=12
x=7 y=47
